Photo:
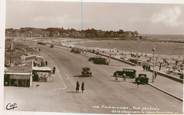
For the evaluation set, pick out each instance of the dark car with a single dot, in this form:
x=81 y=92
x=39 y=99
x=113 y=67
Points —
x=51 y=46
x=135 y=61
x=41 y=43
x=99 y=60
x=128 y=73
x=76 y=50
x=131 y=73
x=86 y=72
x=118 y=74
x=142 y=79
x=181 y=75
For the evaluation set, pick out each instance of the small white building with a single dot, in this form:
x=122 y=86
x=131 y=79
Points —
x=20 y=76
x=41 y=73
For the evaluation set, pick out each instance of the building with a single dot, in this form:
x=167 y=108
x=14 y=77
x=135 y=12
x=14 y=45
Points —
x=20 y=76
x=41 y=73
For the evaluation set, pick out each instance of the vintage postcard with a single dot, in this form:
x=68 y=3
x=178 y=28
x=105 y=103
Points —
x=93 y=57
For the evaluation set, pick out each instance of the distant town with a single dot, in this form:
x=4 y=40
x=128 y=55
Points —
x=71 y=33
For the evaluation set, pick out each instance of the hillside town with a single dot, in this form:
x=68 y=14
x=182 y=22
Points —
x=71 y=33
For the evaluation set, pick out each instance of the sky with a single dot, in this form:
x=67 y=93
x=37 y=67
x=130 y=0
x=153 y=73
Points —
x=144 y=18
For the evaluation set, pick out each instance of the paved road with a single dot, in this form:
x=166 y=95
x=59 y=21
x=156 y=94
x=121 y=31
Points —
x=102 y=93
x=102 y=90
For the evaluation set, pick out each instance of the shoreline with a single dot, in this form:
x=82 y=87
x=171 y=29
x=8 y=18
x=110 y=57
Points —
x=101 y=39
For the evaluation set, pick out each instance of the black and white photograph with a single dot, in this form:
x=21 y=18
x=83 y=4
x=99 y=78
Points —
x=93 y=57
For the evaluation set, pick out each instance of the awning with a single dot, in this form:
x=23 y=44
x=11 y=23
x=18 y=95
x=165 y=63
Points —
x=42 y=69
x=19 y=75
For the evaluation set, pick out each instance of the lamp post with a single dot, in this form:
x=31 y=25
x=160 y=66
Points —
x=153 y=75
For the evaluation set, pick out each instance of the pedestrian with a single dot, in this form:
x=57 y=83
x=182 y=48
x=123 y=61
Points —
x=137 y=82
x=160 y=66
x=143 y=67
x=149 y=67
x=34 y=63
x=124 y=77
x=42 y=63
x=46 y=63
x=155 y=74
x=82 y=87
x=77 y=86
x=54 y=70
x=116 y=76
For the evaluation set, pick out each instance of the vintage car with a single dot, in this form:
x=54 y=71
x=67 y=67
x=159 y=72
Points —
x=126 y=72
x=142 y=79
x=86 y=72
x=41 y=43
x=76 y=50
x=51 y=46
x=99 y=60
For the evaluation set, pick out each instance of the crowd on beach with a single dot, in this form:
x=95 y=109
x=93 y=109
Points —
x=170 y=64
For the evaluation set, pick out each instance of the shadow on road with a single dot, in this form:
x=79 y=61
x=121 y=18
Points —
x=113 y=80
x=77 y=76
x=82 y=76
x=71 y=92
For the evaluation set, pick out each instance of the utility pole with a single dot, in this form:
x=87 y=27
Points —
x=82 y=17
x=109 y=58
x=153 y=75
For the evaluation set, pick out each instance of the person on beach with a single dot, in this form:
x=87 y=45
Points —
x=77 y=86
x=82 y=87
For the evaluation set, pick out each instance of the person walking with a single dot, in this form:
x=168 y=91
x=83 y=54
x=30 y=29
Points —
x=54 y=70
x=77 y=86
x=143 y=67
x=46 y=63
x=82 y=87
x=124 y=77
x=116 y=76
x=160 y=66
x=155 y=75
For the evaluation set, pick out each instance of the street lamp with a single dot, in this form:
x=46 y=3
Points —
x=153 y=75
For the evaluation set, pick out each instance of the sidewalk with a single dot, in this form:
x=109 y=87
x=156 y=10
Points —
x=164 y=84
x=164 y=70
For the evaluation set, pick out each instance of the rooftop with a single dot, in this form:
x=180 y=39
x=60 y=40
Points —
x=42 y=69
x=26 y=68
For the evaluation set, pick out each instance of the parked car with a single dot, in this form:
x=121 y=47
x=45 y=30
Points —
x=41 y=43
x=76 y=50
x=126 y=72
x=142 y=79
x=99 y=60
x=51 y=46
